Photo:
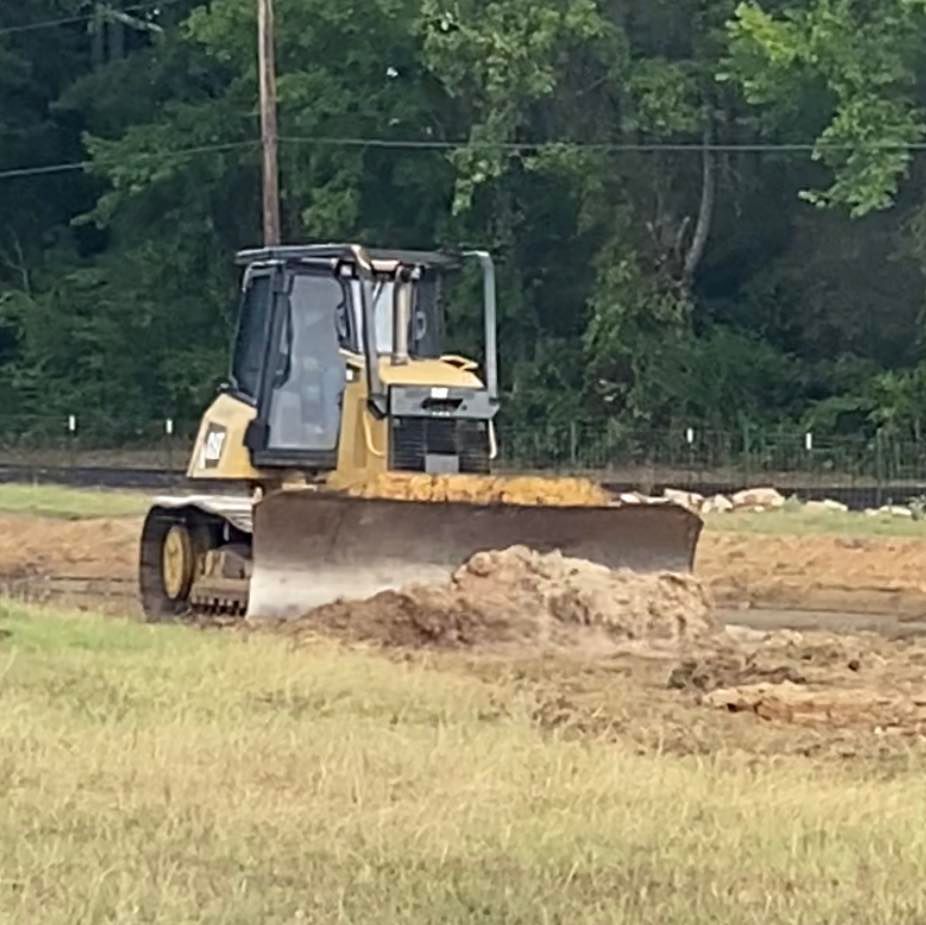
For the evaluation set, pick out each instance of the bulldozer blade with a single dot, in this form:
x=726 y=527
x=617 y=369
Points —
x=311 y=548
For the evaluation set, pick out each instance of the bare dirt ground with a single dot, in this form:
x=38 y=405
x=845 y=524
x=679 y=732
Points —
x=643 y=659
x=864 y=575
x=882 y=575
x=95 y=548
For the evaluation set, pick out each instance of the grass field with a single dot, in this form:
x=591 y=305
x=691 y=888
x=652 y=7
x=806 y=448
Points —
x=61 y=501
x=158 y=774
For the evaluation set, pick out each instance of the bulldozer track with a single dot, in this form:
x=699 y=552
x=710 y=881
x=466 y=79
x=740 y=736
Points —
x=117 y=596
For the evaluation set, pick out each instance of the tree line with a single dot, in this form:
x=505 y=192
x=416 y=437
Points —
x=702 y=210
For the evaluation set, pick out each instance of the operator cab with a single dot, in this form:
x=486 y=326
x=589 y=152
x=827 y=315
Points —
x=303 y=335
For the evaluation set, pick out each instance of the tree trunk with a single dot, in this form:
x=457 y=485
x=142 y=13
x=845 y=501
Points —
x=706 y=211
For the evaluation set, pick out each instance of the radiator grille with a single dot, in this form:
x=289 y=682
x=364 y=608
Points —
x=413 y=438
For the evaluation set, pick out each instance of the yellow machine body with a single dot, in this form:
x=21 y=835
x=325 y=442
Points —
x=219 y=452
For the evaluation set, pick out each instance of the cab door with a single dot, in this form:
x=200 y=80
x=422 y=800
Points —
x=299 y=420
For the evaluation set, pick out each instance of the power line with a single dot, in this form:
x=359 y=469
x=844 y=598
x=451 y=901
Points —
x=71 y=166
x=70 y=20
x=616 y=147
x=512 y=147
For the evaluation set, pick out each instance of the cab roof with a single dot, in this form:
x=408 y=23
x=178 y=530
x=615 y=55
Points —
x=295 y=253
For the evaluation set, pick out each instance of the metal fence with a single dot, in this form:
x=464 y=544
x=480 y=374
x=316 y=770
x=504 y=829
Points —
x=863 y=471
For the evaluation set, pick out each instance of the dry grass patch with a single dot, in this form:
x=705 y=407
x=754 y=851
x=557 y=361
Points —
x=152 y=774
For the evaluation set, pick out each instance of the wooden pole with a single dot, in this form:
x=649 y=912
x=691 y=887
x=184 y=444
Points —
x=99 y=37
x=116 y=34
x=268 y=122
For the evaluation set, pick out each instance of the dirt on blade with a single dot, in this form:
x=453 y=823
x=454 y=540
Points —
x=481 y=489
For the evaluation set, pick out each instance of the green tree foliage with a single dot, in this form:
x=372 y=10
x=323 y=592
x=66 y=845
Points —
x=852 y=68
x=653 y=272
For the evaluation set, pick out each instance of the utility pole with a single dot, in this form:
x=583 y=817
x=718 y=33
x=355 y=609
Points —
x=116 y=32
x=268 y=122
x=98 y=28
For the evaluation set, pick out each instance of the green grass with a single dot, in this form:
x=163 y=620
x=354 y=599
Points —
x=801 y=521
x=152 y=774
x=60 y=501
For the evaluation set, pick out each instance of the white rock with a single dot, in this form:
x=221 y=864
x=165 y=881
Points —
x=719 y=504
x=827 y=505
x=764 y=498
x=689 y=499
x=895 y=510
x=636 y=497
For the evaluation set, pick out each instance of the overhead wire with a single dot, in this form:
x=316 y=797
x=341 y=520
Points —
x=85 y=17
x=71 y=166
x=436 y=145
x=605 y=146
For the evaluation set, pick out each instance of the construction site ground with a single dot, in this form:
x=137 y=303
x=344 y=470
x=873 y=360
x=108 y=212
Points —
x=536 y=733
x=821 y=645
x=845 y=570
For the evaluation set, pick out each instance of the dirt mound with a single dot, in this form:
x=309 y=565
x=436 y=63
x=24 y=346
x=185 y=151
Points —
x=517 y=597
x=478 y=489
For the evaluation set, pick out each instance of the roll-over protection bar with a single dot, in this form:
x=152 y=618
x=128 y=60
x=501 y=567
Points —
x=367 y=270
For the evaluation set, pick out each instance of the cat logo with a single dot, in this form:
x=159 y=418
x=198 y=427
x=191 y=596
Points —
x=213 y=444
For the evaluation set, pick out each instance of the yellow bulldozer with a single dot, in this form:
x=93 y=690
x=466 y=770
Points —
x=341 y=400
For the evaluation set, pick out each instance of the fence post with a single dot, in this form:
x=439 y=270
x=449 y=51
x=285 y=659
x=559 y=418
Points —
x=573 y=445
x=879 y=470
x=689 y=441
x=169 y=432
x=72 y=439
x=746 y=468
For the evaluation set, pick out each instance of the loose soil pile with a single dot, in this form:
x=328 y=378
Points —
x=521 y=598
x=478 y=489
